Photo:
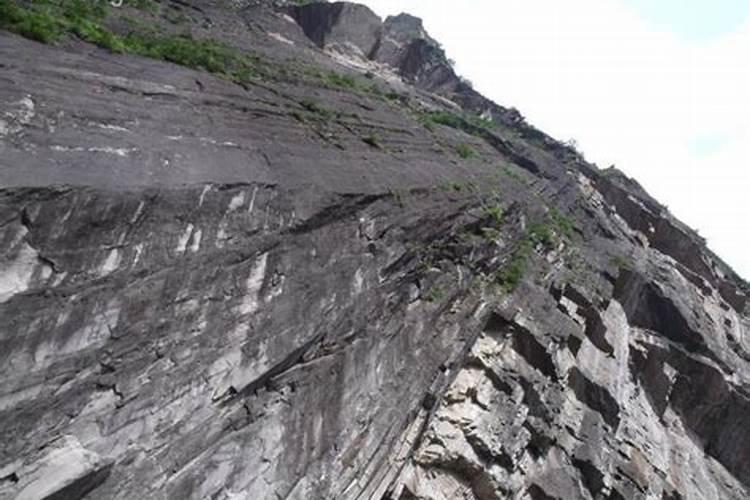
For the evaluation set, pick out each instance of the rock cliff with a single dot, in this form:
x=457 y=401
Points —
x=294 y=255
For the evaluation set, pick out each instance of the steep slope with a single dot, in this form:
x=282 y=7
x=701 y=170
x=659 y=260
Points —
x=326 y=276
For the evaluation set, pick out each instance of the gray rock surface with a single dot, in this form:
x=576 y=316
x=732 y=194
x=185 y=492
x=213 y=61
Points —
x=294 y=288
x=342 y=26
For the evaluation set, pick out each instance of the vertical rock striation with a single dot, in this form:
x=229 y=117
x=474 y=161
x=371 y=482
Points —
x=304 y=285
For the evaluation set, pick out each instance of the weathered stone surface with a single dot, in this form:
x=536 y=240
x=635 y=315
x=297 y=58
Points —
x=397 y=34
x=292 y=288
x=340 y=26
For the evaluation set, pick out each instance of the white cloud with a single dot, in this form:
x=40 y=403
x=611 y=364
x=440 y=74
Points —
x=671 y=112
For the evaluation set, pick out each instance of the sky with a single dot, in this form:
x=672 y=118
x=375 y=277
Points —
x=658 y=88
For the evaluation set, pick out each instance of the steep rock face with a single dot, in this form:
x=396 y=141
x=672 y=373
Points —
x=400 y=42
x=341 y=26
x=671 y=237
x=403 y=45
x=217 y=319
x=563 y=418
x=398 y=33
x=294 y=288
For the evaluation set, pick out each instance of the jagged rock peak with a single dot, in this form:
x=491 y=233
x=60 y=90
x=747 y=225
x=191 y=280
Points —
x=341 y=26
x=405 y=28
x=401 y=43
x=355 y=30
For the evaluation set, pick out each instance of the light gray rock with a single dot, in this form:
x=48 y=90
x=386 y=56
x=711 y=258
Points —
x=209 y=291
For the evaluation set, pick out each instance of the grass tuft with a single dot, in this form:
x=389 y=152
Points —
x=546 y=233
x=37 y=24
x=465 y=151
x=342 y=80
x=184 y=50
x=495 y=213
x=315 y=108
x=511 y=275
x=561 y=222
x=372 y=141
x=466 y=122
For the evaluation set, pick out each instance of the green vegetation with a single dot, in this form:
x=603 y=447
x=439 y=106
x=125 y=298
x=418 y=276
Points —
x=549 y=232
x=495 y=213
x=373 y=141
x=39 y=26
x=510 y=276
x=454 y=186
x=465 y=151
x=491 y=233
x=541 y=233
x=316 y=108
x=445 y=118
x=352 y=83
x=428 y=124
x=561 y=222
x=435 y=294
x=209 y=55
x=342 y=80
x=146 y=5
x=49 y=20
x=514 y=175
x=546 y=233
x=621 y=262
x=471 y=124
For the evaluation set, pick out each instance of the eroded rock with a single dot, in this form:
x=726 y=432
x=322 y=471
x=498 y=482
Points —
x=245 y=292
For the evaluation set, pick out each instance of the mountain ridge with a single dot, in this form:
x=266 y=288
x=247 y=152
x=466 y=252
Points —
x=322 y=266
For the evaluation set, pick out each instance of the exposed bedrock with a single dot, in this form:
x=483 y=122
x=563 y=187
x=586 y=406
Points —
x=239 y=339
x=340 y=26
x=629 y=424
x=253 y=340
x=334 y=279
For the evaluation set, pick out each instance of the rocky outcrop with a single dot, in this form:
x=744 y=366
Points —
x=671 y=237
x=219 y=319
x=340 y=26
x=398 y=33
x=298 y=286
x=572 y=421
x=400 y=42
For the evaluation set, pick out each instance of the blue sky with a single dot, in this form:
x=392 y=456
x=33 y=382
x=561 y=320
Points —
x=659 y=88
x=696 y=20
